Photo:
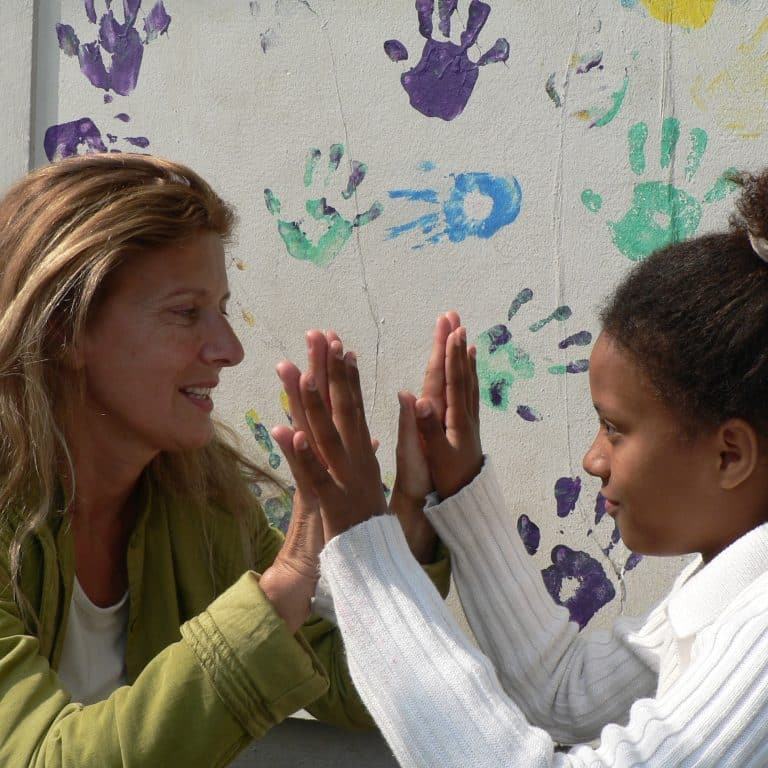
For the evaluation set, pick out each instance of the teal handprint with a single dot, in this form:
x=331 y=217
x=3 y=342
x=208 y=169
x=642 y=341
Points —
x=660 y=213
x=337 y=229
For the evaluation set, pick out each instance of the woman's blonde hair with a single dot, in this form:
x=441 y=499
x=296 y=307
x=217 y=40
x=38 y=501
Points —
x=64 y=229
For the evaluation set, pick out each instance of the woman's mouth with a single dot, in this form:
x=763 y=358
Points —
x=199 y=396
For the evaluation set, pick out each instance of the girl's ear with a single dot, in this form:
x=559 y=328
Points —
x=739 y=452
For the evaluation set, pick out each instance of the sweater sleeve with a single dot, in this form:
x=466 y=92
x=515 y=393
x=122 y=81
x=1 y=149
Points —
x=567 y=683
x=438 y=701
x=237 y=672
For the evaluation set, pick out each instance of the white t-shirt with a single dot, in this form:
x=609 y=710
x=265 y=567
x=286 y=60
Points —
x=93 y=657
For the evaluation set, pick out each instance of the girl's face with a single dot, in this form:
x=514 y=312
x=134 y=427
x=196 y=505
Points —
x=658 y=484
x=154 y=349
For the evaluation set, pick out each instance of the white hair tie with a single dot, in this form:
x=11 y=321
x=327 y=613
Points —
x=759 y=246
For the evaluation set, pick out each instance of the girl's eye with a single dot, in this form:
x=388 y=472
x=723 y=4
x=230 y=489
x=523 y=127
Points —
x=187 y=312
x=609 y=428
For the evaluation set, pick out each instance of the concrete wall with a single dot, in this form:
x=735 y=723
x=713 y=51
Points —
x=518 y=194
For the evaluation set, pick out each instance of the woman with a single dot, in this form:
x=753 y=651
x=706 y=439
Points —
x=134 y=626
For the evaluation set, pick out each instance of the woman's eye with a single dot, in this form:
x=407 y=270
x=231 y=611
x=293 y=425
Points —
x=188 y=312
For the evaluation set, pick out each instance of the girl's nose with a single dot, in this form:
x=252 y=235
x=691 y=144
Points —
x=595 y=461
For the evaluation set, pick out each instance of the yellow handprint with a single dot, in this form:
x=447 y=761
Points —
x=737 y=95
x=685 y=13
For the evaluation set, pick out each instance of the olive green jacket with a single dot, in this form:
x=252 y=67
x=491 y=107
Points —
x=211 y=665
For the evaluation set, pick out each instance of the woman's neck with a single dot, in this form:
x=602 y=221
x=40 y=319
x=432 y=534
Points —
x=104 y=511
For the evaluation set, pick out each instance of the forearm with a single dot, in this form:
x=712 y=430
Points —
x=565 y=682
x=197 y=703
x=438 y=701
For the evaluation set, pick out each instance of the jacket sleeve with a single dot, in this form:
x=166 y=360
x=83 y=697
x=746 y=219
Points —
x=568 y=683
x=197 y=703
x=341 y=704
x=438 y=700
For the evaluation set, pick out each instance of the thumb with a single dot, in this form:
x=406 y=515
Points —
x=431 y=430
x=408 y=443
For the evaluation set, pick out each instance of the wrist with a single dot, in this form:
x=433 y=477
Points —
x=290 y=593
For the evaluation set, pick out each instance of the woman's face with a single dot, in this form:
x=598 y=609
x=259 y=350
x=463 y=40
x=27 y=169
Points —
x=155 y=347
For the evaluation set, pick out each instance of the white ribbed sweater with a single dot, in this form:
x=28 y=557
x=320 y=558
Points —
x=686 y=686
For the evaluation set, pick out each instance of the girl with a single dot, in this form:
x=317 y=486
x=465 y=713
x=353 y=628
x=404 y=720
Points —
x=135 y=628
x=679 y=382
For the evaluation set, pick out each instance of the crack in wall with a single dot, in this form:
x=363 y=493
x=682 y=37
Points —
x=361 y=260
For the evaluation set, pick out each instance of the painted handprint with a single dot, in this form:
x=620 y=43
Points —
x=575 y=579
x=690 y=14
x=442 y=81
x=83 y=137
x=120 y=41
x=504 y=195
x=660 y=213
x=338 y=230
x=736 y=94
x=262 y=437
x=502 y=360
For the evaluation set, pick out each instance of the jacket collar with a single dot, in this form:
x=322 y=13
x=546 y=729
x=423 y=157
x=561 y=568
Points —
x=704 y=591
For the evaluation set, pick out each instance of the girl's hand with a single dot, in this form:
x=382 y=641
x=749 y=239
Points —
x=413 y=480
x=350 y=489
x=454 y=455
x=290 y=582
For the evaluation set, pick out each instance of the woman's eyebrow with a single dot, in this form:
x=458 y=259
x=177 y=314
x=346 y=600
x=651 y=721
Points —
x=193 y=292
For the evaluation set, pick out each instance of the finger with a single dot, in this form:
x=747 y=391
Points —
x=475 y=386
x=326 y=436
x=317 y=352
x=455 y=368
x=345 y=412
x=284 y=437
x=408 y=446
x=453 y=318
x=433 y=385
x=353 y=376
x=356 y=393
x=290 y=376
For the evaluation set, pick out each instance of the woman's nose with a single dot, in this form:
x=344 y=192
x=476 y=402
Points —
x=223 y=346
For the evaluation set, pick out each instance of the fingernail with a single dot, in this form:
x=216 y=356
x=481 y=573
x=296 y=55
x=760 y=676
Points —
x=423 y=408
x=311 y=383
x=352 y=359
x=303 y=444
x=338 y=350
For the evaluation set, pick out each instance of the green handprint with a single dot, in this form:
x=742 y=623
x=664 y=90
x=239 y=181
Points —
x=338 y=229
x=660 y=213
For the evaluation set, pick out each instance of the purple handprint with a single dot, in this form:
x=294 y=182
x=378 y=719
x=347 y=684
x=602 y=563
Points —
x=593 y=588
x=66 y=140
x=442 y=82
x=121 y=41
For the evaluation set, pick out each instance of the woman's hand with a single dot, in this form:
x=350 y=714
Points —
x=453 y=449
x=333 y=458
x=290 y=582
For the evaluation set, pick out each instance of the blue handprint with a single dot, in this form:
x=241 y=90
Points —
x=505 y=195
x=442 y=82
